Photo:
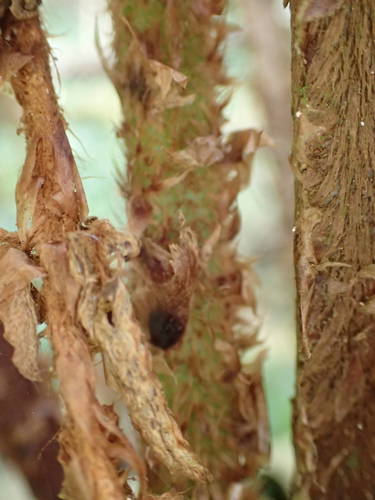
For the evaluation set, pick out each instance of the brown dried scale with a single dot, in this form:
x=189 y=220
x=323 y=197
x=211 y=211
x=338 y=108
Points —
x=17 y=309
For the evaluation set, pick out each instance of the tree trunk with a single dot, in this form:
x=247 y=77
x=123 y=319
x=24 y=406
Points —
x=333 y=159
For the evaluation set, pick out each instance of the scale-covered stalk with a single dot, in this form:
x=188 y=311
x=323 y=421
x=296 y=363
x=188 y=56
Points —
x=192 y=293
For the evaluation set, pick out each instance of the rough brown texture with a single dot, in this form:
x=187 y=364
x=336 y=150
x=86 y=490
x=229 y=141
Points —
x=190 y=284
x=50 y=198
x=334 y=163
x=82 y=298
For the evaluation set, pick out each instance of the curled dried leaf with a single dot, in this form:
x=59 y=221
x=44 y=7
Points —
x=17 y=310
x=252 y=406
x=42 y=197
x=93 y=448
x=153 y=84
x=168 y=183
x=19 y=318
x=24 y=9
x=105 y=311
x=242 y=145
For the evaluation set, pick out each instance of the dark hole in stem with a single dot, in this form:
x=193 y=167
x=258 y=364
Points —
x=165 y=328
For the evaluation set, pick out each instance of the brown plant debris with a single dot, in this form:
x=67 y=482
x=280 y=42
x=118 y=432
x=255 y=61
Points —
x=50 y=198
x=93 y=449
x=333 y=159
x=87 y=300
x=105 y=312
x=17 y=309
x=82 y=297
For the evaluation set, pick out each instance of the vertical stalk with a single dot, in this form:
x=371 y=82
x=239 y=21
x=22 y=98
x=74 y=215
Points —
x=334 y=159
x=182 y=173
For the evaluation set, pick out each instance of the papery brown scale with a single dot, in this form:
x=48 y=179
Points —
x=17 y=310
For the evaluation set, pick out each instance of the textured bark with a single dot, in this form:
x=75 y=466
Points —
x=29 y=422
x=334 y=163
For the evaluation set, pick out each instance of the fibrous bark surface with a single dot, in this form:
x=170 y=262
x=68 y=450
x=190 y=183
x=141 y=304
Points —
x=334 y=164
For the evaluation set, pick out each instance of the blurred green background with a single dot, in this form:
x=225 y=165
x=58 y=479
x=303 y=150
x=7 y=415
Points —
x=257 y=57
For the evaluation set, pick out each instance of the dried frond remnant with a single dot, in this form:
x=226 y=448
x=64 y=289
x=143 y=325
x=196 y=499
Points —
x=50 y=202
x=83 y=298
x=87 y=300
x=187 y=175
x=333 y=158
x=93 y=448
x=50 y=198
x=105 y=311
x=17 y=309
